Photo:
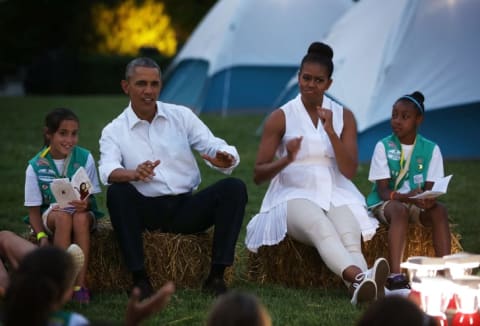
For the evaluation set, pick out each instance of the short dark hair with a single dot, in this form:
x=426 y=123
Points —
x=235 y=309
x=140 y=62
x=394 y=310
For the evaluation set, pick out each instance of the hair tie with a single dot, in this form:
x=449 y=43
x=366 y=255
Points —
x=420 y=107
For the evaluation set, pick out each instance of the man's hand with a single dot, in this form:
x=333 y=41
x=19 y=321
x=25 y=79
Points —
x=144 y=171
x=221 y=159
x=139 y=311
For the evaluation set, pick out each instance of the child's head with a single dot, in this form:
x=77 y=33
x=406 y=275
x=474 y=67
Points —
x=407 y=115
x=61 y=131
x=42 y=283
x=236 y=309
x=394 y=310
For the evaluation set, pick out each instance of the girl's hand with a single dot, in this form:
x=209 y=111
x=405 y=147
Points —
x=414 y=192
x=80 y=205
x=425 y=203
x=43 y=242
x=138 y=311
x=221 y=160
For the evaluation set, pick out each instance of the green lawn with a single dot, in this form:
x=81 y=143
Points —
x=21 y=134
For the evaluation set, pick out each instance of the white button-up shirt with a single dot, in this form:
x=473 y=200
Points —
x=175 y=130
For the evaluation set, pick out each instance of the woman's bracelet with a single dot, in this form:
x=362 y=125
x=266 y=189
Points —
x=41 y=235
x=392 y=194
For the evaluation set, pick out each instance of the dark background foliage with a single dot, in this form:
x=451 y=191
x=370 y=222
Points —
x=48 y=44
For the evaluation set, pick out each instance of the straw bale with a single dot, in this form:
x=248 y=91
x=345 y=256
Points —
x=290 y=263
x=181 y=258
x=419 y=243
x=294 y=264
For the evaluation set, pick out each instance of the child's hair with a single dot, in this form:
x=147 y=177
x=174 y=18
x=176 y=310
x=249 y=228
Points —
x=320 y=53
x=394 y=310
x=37 y=286
x=416 y=98
x=54 y=119
x=237 y=309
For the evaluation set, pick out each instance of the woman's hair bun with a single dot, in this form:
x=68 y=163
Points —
x=320 y=48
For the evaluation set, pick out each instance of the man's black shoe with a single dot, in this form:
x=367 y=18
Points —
x=215 y=286
x=146 y=288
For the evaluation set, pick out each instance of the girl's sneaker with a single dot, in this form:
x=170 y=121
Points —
x=81 y=296
x=397 y=282
x=78 y=259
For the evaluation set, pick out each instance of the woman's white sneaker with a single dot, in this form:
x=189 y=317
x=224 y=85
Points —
x=365 y=291
x=379 y=273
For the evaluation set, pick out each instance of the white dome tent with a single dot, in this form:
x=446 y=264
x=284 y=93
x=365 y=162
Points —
x=243 y=53
x=388 y=48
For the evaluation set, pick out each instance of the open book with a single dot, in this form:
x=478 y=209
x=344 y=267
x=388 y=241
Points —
x=439 y=188
x=66 y=191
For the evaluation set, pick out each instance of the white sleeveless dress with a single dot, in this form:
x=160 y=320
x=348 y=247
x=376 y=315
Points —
x=314 y=175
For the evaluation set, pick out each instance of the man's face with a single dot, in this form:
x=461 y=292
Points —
x=143 y=88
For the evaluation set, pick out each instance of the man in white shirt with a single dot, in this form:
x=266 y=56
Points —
x=146 y=159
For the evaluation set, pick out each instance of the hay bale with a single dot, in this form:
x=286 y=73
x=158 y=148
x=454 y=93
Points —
x=294 y=264
x=181 y=258
x=419 y=243
x=290 y=263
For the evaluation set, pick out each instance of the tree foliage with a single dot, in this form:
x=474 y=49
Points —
x=128 y=27
x=30 y=29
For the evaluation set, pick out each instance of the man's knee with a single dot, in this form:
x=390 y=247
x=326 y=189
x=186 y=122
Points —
x=119 y=195
x=235 y=188
x=119 y=190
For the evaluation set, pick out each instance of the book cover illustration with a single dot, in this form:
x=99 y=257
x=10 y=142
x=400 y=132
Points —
x=66 y=191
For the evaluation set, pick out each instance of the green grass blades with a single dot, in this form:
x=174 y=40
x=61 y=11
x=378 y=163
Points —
x=21 y=134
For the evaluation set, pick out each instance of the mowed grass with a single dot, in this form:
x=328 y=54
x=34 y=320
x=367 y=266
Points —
x=21 y=122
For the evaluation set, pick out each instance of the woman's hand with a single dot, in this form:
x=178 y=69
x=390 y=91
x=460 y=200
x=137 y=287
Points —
x=293 y=146
x=326 y=118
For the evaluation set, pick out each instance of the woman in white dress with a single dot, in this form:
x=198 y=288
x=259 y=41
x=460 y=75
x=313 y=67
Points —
x=308 y=152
